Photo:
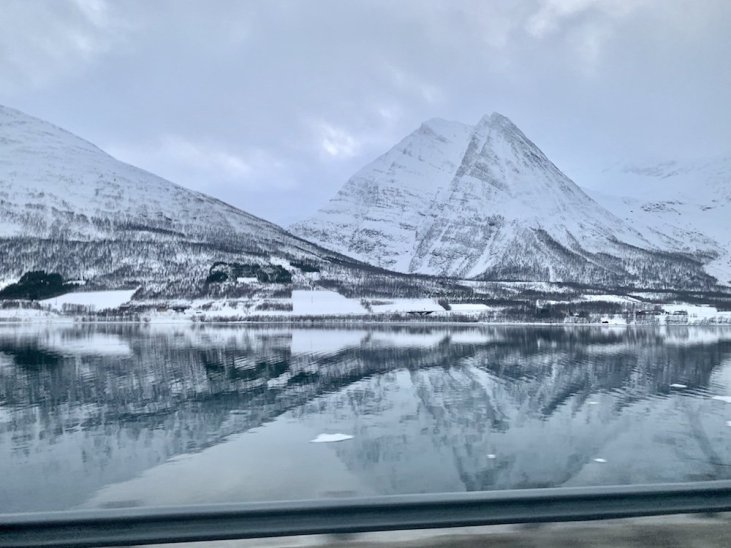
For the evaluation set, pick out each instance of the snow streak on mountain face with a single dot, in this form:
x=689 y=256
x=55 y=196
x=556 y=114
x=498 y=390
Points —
x=683 y=206
x=67 y=206
x=484 y=202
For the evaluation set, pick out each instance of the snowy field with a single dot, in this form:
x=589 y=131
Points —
x=6 y=282
x=28 y=315
x=96 y=300
x=330 y=304
x=324 y=303
x=698 y=314
x=327 y=304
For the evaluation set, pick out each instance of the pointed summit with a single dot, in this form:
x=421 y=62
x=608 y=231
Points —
x=479 y=201
x=502 y=129
x=498 y=123
x=495 y=119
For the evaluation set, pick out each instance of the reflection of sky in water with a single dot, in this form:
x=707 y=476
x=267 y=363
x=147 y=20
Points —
x=125 y=415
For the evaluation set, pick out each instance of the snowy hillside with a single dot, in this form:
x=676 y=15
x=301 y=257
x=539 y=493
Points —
x=68 y=207
x=680 y=205
x=377 y=214
x=484 y=202
x=54 y=184
x=451 y=199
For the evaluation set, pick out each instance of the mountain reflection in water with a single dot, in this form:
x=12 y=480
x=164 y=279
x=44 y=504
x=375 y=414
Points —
x=122 y=415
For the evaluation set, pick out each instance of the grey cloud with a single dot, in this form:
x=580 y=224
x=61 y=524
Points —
x=43 y=40
x=272 y=105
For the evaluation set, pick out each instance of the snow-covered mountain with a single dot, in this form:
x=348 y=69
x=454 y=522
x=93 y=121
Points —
x=54 y=184
x=483 y=201
x=451 y=199
x=684 y=206
x=66 y=206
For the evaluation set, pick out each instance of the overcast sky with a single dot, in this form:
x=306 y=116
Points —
x=272 y=105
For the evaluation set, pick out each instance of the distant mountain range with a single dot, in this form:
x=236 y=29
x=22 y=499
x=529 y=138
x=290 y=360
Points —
x=684 y=206
x=484 y=202
x=450 y=200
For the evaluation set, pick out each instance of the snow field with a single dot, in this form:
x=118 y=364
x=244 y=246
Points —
x=324 y=303
x=97 y=300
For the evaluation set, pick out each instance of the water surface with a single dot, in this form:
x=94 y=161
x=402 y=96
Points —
x=122 y=415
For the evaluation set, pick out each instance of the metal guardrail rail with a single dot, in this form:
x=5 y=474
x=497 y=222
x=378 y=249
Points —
x=238 y=521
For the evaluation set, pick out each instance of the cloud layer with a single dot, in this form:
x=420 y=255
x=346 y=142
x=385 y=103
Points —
x=272 y=105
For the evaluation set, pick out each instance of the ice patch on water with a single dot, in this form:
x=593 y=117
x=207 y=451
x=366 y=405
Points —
x=491 y=456
x=592 y=403
x=329 y=438
x=676 y=385
x=600 y=460
x=726 y=399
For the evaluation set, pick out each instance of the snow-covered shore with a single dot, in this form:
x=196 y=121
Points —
x=322 y=306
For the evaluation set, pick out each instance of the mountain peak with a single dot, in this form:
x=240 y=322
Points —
x=495 y=119
x=478 y=201
x=497 y=123
x=443 y=127
x=489 y=123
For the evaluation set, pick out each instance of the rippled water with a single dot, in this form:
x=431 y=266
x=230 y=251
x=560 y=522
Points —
x=119 y=415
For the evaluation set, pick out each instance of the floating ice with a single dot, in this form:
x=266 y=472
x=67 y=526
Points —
x=676 y=385
x=329 y=438
x=726 y=399
x=600 y=460
x=728 y=423
x=491 y=456
x=592 y=403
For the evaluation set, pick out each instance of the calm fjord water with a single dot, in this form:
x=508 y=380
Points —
x=121 y=415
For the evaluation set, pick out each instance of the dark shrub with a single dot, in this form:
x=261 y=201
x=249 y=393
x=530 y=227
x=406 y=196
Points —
x=37 y=285
x=305 y=266
x=274 y=274
x=216 y=277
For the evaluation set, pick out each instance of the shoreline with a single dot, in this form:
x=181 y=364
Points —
x=348 y=323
